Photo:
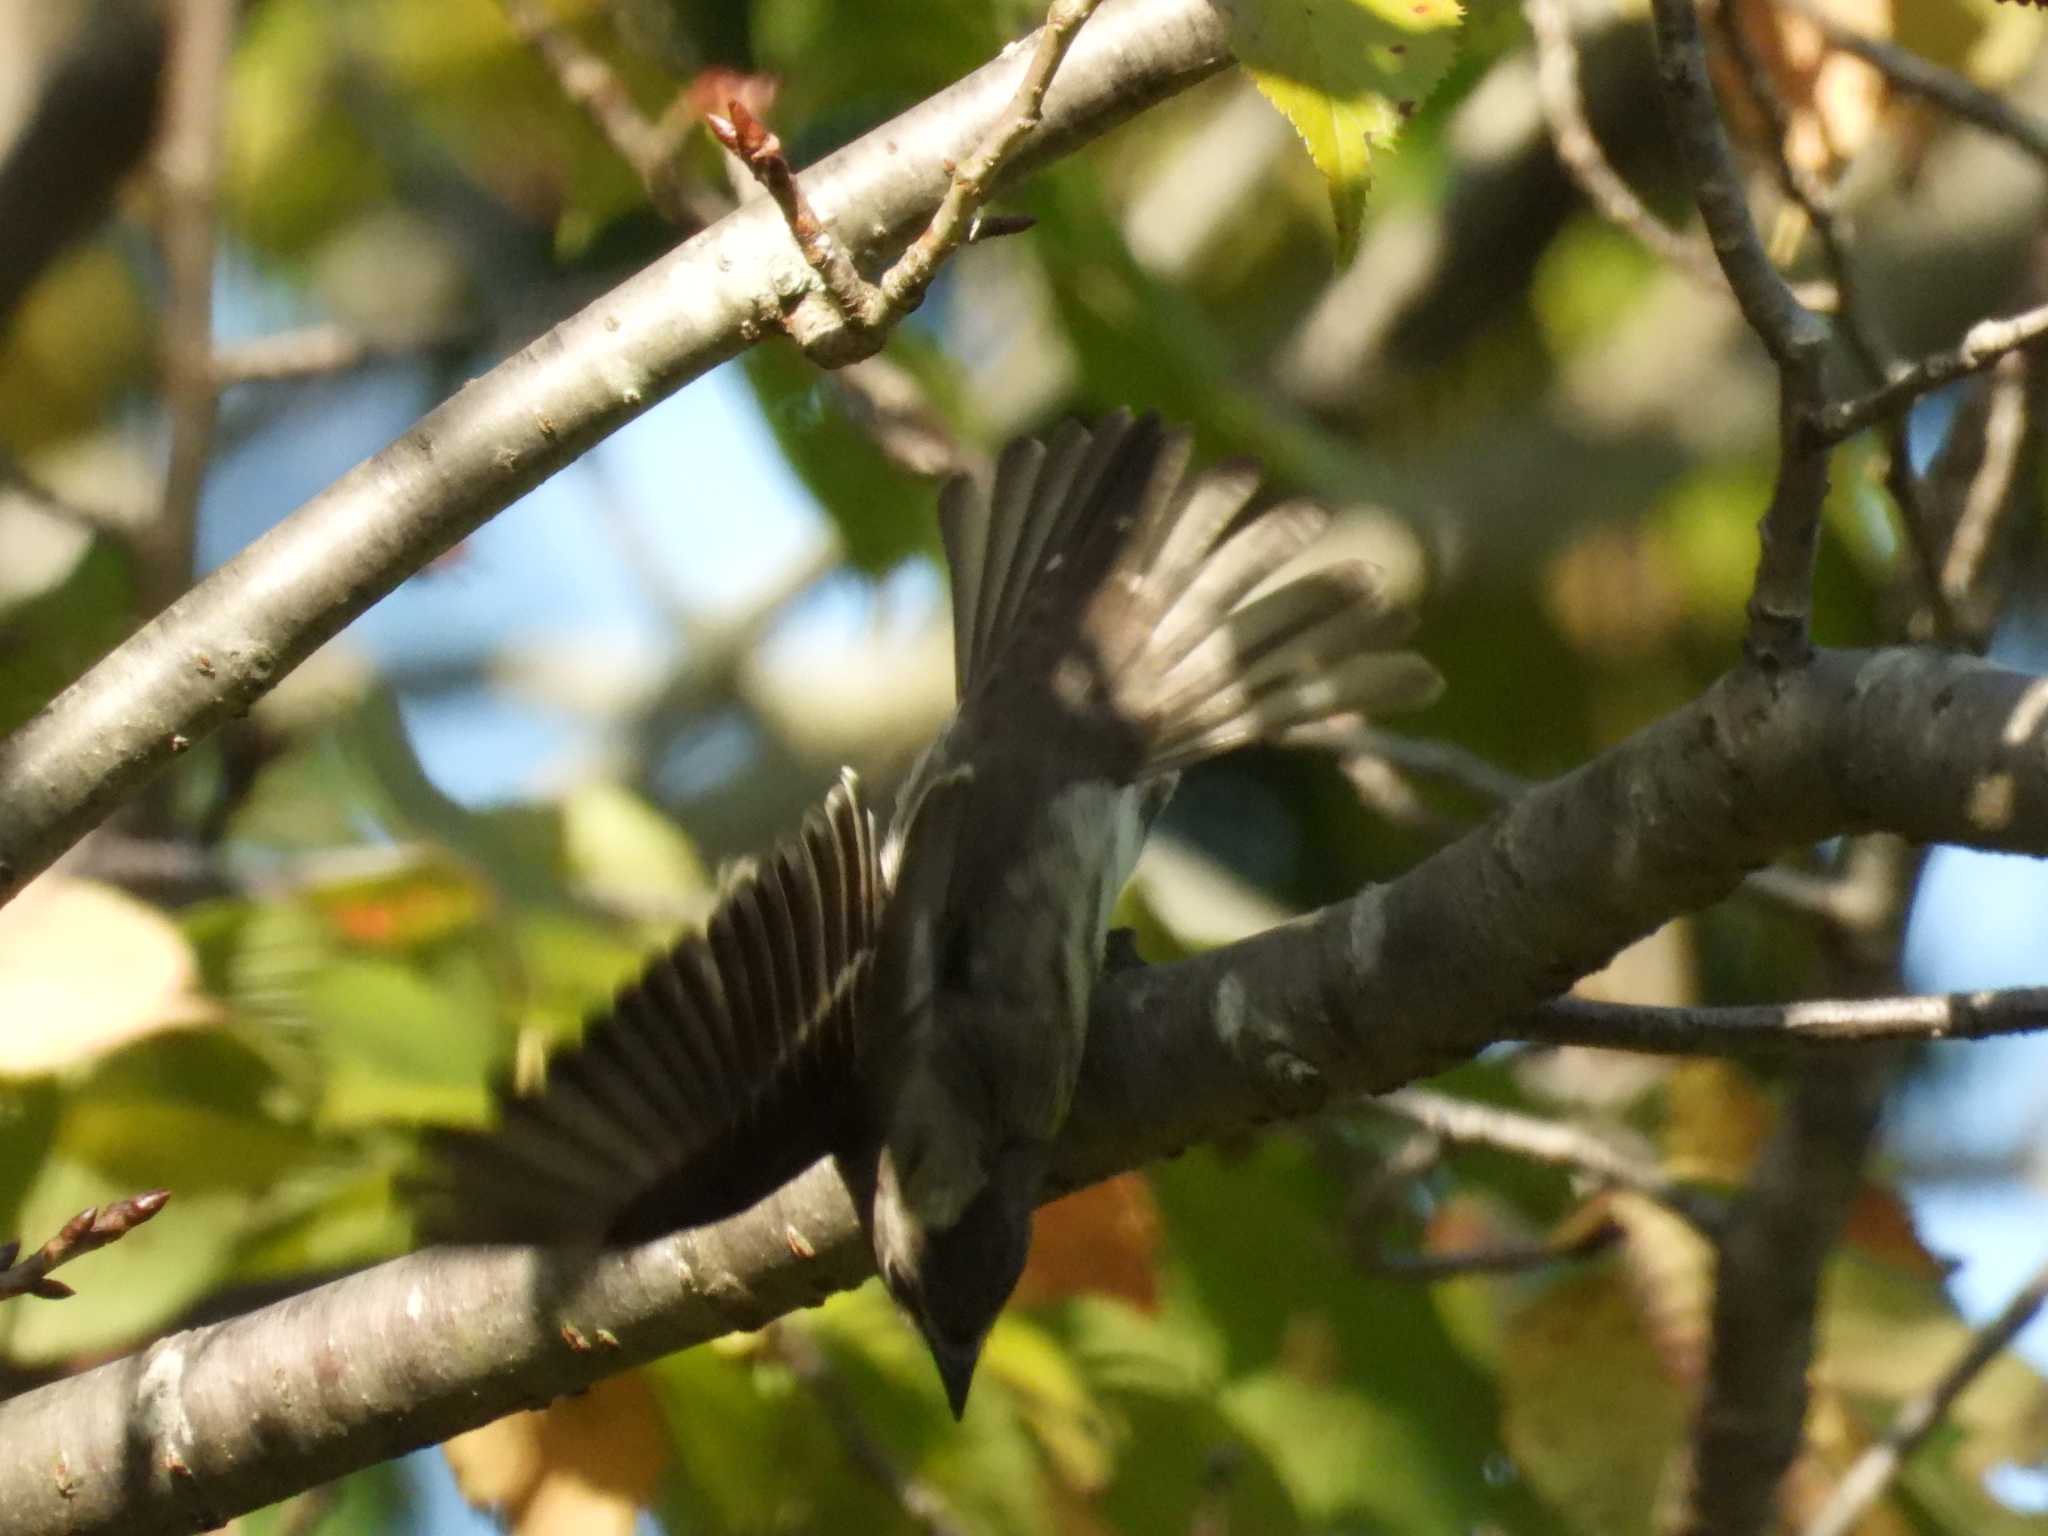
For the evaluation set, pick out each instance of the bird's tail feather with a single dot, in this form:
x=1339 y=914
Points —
x=1098 y=544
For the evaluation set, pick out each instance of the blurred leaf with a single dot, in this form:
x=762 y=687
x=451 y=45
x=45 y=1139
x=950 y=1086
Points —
x=364 y=1503
x=847 y=64
x=1587 y=281
x=48 y=639
x=76 y=341
x=1716 y=1119
x=1577 y=1363
x=1195 y=899
x=401 y=1045
x=753 y=1451
x=297 y=160
x=335 y=1221
x=326 y=97
x=572 y=967
x=409 y=898
x=1881 y=1227
x=1331 y=1447
x=625 y=854
x=63 y=1003
x=1102 y=1240
x=883 y=513
x=1256 y=1253
x=138 y=1144
x=1705 y=530
x=586 y=1463
x=1888 y=1333
x=1186 y=1466
x=1035 y=1370
x=1346 y=74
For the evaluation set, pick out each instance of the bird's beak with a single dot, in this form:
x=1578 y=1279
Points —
x=956 y=1371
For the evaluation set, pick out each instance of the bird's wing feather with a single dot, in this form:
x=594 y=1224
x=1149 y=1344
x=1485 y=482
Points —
x=718 y=1074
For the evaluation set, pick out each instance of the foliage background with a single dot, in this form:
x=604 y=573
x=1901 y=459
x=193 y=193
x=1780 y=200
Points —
x=458 y=828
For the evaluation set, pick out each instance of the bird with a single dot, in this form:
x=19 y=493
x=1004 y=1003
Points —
x=1116 y=620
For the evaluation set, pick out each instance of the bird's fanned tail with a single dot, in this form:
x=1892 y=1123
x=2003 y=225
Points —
x=714 y=1078
x=1098 y=544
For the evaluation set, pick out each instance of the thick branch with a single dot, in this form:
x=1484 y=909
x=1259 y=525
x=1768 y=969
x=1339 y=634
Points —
x=268 y=609
x=1363 y=996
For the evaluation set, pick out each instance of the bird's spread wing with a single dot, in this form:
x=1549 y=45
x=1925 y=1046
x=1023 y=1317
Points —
x=716 y=1076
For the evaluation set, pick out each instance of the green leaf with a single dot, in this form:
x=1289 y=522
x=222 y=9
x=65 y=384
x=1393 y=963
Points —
x=625 y=854
x=1427 y=1419
x=883 y=513
x=1578 y=1361
x=375 y=1499
x=401 y=1044
x=1346 y=74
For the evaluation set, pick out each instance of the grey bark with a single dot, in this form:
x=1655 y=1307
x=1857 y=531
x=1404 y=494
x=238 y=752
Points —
x=1360 y=997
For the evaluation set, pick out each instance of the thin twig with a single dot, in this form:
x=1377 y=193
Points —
x=188 y=164
x=1781 y=602
x=1742 y=1027
x=1875 y=1468
x=1464 y=1122
x=1564 y=109
x=646 y=144
x=919 y=1501
x=1982 y=345
x=1807 y=192
x=1989 y=497
x=1496 y=1259
x=903 y=285
x=94 y=1227
x=1786 y=327
x=867 y=310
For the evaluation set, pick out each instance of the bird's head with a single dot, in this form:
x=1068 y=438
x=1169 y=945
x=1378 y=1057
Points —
x=953 y=1281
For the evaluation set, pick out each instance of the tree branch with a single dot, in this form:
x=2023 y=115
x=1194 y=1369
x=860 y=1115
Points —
x=1767 y=1289
x=268 y=609
x=1785 y=1026
x=1364 y=996
x=1982 y=345
x=92 y=1228
x=187 y=166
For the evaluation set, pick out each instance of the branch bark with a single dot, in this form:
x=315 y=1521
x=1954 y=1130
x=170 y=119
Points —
x=218 y=648
x=1363 y=996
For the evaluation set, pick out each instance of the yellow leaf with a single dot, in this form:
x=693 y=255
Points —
x=63 y=1001
x=1346 y=74
x=583 y=1466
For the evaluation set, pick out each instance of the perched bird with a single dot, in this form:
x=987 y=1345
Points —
x=1108 y=631
x=1114 y=622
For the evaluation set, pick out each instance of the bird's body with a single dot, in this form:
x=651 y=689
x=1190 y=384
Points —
x=1109 y=629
